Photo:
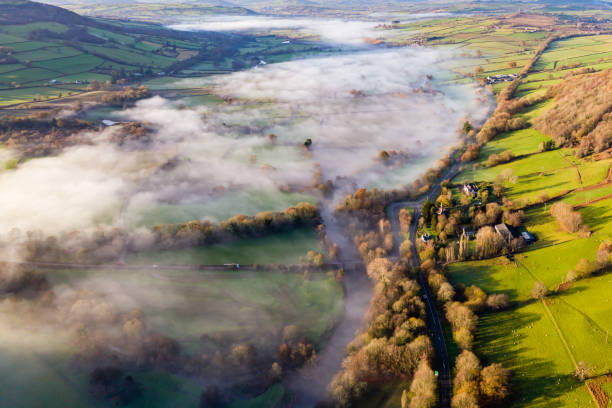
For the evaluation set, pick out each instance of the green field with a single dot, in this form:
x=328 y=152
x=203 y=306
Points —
x=217 y=208
x=480 y=43
x=186 y=304
x=550 y=173
x=181 y=304
x=71 y=65
x=14 y=96
x=286 y=247
x=541 y=342
x=524 y=340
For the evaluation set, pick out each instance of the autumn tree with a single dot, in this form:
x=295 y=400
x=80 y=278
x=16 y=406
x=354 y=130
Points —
x=489 y=243
x=424 y=387
x=211 y=397
x=494 y=383
x=498 y=301
x=467 y=374
x=406 y=249
x=405 y=219
x=539 y=290
x=568 y=219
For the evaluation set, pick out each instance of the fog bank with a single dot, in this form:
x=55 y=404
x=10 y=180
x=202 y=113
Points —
x=331 y=30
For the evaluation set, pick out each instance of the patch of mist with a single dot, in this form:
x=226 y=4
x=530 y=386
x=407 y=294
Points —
x=352 y=107
x=338 y=31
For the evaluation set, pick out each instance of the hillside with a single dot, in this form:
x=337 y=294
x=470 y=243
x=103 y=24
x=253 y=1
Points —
x=168 y=12
x=47 y=52
x=22 y=12
x=581 y=112
x=53 y=54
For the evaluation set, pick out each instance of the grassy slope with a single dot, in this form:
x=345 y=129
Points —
x=524 y=338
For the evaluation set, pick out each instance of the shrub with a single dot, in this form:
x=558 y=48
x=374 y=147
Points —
x=498 y=301
x=546 y=146
x=539 y=290
x=495 y=383
x=603 y=254
x=496 y=159
x=571 y=276
x=568 y=219
x=584 y=268
x=476 y=298
x=471 y=152
x=583 y=371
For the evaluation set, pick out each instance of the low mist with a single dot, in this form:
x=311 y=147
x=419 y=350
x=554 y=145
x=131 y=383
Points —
x=282 y=129
x=332 y=30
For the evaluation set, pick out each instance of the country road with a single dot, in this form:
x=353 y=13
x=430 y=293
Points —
x=433 y=315
x=202 y=267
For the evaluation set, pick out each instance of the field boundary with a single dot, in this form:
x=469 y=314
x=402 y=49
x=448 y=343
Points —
x=599 y=395
x=560 y=333
x=553 y=320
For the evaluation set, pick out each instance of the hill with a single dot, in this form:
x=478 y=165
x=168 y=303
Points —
x=47 y=52
x=581 y=112
x=23 y=11
x=157 y=12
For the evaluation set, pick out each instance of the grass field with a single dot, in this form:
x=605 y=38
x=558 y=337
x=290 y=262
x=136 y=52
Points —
x=524 y=340
x=71 y=65
x=550 y=173
x=188 y=304
x=481 y=42
x=285 y=247
x=14 y=96
x=541 y=342
x=35 y=362
x=217 y=208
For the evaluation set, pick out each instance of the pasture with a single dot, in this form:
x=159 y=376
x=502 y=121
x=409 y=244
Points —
x=183 y=304
x=239 y=305
x=285 y=248
x=525 y=340
x=541 y=342
x=21 y=95
x=216 y=208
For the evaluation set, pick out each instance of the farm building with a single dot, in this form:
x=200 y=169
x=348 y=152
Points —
x=470 y=189
x=469 y=233
x=501 y=78
x=528 y=237
x=425 y=237
x=505 y=232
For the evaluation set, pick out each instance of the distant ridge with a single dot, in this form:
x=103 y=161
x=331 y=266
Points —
x=23 y=11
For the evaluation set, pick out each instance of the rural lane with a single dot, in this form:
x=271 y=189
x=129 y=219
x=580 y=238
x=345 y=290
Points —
x=433 y=315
